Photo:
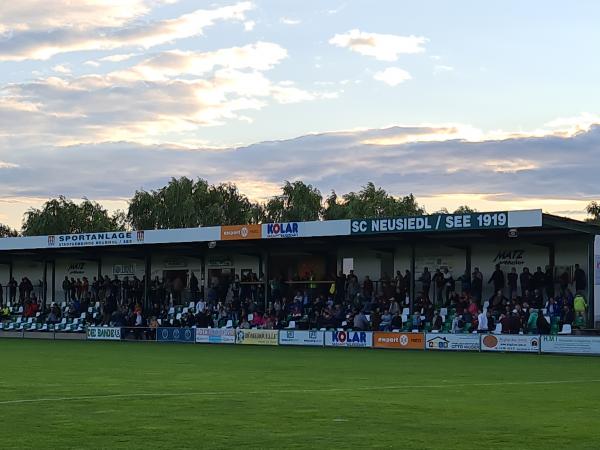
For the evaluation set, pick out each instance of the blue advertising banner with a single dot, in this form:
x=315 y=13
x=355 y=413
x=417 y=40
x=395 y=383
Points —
x=176 y=335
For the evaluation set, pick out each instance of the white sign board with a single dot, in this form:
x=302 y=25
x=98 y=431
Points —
x=510 y=343
x=577 y=345
x=349 y=338
x=457 y=342
x=309 y=338
x=104 y=333
x=215 y=335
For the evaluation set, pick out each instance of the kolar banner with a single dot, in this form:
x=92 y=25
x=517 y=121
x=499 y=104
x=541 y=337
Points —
x=349 y=338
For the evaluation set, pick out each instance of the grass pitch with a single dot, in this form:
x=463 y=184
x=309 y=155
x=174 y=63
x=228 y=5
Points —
x=139 y=395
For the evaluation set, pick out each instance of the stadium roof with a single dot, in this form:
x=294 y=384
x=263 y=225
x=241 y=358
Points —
x=479 y=224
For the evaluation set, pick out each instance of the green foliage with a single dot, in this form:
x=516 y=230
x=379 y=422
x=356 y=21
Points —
x=464 y=209
x=297 y=202
x=593 y=209
x=63 y=216
x=370 y=202
x=6 y=231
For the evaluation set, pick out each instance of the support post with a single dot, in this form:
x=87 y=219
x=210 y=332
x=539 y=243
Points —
x=53 y=289
x=413 y=265
x=147 y=275
x=45 y=285
x=266 y=272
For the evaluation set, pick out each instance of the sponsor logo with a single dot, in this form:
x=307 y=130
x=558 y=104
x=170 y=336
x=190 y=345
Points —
x=490 y=341
x=398 y=340
x=354 y=337
x=283 y=230
x=76 y=269
x=140 y=236
x=510 y=258
x=239 y=232
x=51 y=241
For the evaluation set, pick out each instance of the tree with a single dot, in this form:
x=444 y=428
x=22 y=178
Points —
x=63 y=216
x=593 y=209
x=184 y=203
x=464 y=209
x=297 y=202
x=370 y=202
x=6 y=231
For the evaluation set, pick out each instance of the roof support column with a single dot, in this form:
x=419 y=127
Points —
x=413 y=265
x=53 y=288
x=45 y=285
x=147 y=275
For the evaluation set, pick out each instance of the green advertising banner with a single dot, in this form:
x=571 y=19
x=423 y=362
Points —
x=435 y=222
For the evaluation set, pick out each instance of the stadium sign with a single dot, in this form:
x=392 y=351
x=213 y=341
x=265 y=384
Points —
x=576 y=345
x=281 y=230
x=406 y=341
x=96 y=239
x=309 y=338
x=175 y=335
x=104 y=333
x=257 y=337
x=240 y=232
x=349 y=339
x=215 y=336
x=435 y=222
x=449 y=342
x=510 y=343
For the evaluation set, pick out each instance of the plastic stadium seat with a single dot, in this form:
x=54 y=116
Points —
x=192 y=305
x=97 y=305
x=250 y=317
x=185 y=310
x=292 y=325
x=498 y=329
x=90 y=310
x=171 y=310
x=229 y=324
x=566 y=329
x=443 y=312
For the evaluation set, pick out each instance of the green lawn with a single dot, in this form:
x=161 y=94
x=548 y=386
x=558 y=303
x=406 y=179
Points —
x=209 y=396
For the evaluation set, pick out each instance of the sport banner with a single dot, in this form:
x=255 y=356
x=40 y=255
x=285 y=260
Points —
x=294 y=337
x=404 y=341
x=576 y=345
x=457 y=342
x=349 y=338
x=510 y=343
x=175 y=335
x=257 y=337
x=104 y=333
x=215 y=336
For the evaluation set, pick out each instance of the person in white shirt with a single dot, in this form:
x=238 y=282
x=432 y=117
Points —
x=482 y=322
x=200 y=306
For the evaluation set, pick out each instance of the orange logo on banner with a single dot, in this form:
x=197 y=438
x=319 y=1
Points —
x=239 y=232
x=399 y=340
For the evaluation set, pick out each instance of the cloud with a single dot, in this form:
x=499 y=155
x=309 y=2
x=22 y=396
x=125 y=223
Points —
x=249 y=25
x=487 y=174
x=7 y=165
x=167 y=97
x=440 y=68
x=118 y=57
x=392 y=76
x=60 y=68
x=43 y=44
x=384 y=47
x=290 y=21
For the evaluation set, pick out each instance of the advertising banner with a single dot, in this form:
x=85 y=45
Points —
x=281 y=230
x=406 y=341
x=70 y=336
x=96 y=239
x=104 y=333
x=576 y=345
x=215 y=336
x=175 y=335
x=240 y=232
x=349 y=338
x=510 y=343
x=294 y=337
x=456 y=342
x=257 y=337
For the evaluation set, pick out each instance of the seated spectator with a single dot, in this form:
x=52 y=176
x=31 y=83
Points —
x=542 y=325
x=386 y=322
x=532 y=320
x=553 y=308
x=456 y=324
x=567 y=316
x=437 y=322
x=416 y=321
x=360 y=322
x=4 y=312
x=258 y=320
x=245 y=325
x=396 y=322
x=514 y=323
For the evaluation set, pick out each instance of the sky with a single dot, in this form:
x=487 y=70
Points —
x=491 y=104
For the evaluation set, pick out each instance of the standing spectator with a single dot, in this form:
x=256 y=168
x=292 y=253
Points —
x=438 y=280
x=543 y=327
x=477 y=285
x=368 y=287
x=407 y=281
x=525 y=279
x=340 y=286
x=12 y=290
x=579 y=305
x=482 y=322
x=425 y=280
x=538 y=279
x=512 y=278
x=567 y=317
x=549 y=282
x=465 y=282
x=497 y=279
x=579 y=278
x=449 y=284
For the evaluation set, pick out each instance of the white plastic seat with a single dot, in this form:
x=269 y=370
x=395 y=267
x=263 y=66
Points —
x=229 y=324
x=185 y=310
x=443 y=312
x=191 y=305
x=250 y=317
x=405 y=311
x=498 y=329
x=566 y=329
x=292 y=325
